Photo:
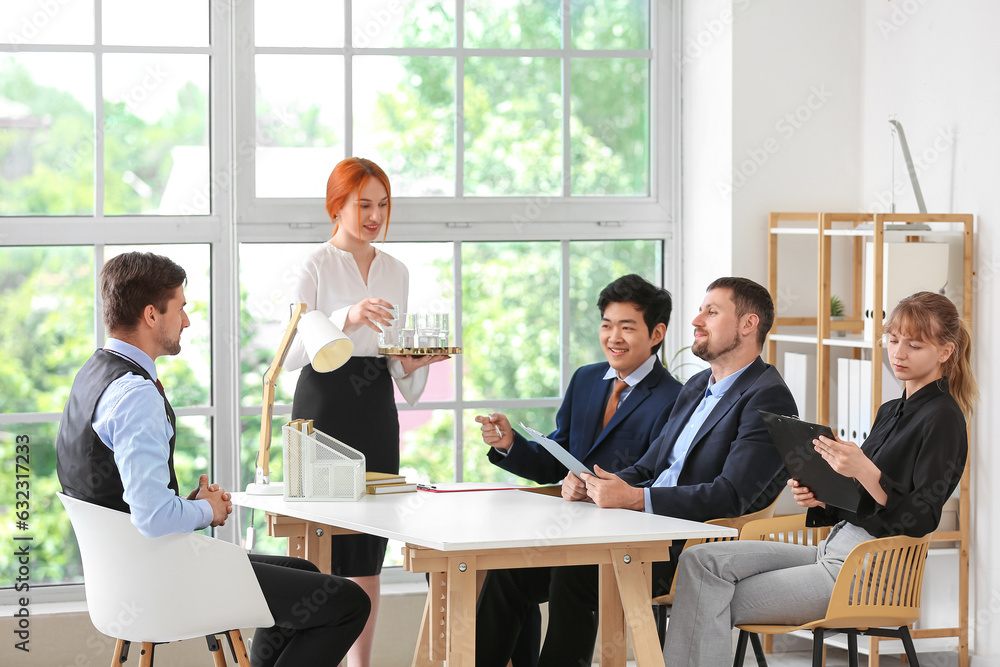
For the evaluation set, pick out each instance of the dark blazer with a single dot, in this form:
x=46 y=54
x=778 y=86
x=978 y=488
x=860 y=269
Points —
x=732 y=467
x=578 y=425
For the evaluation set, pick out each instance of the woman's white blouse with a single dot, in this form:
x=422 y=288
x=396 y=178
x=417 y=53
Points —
x=329 y=281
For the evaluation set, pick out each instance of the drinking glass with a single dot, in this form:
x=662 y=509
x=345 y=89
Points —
x=407 y=332
x=443 y=330
x=428 y=330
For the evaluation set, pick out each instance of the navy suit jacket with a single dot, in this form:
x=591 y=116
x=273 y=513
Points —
x=732 y=467
x=627 y=436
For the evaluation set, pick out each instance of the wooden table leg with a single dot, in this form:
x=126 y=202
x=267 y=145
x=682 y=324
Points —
x=422 y=654
x=613 y=640
x=438 y=617
x=461 y=623
x=318 y=546
x=635 y=599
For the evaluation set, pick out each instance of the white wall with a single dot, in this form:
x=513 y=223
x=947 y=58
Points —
x=796 y=129
x=936 y=65
x=707 y=122
x=771 y=121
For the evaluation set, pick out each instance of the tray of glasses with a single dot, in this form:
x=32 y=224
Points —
x=418 y=351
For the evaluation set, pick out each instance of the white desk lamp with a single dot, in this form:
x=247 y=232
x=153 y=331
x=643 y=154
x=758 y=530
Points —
x=328 y=349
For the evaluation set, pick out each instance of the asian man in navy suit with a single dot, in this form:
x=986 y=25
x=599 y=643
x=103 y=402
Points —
x=599 y=427
x=714 y=458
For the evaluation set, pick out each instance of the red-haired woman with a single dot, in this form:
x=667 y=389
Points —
x=356 y=286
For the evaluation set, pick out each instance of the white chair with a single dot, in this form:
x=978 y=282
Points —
x=154 y=591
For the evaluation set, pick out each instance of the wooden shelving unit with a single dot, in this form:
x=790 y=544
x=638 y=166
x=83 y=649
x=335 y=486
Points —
x=856 y=229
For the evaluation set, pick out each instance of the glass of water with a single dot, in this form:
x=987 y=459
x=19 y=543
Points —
x=428 y=330
x=389 y=334
x=443 y=330
x=407 y=332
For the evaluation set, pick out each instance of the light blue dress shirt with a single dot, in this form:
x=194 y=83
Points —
x=678 y=454
x=131 y=420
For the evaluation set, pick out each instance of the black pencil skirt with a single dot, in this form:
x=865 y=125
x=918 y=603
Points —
x=355 y=405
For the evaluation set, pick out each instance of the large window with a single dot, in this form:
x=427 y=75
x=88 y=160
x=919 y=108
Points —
x=474 y=98
x=109 y=118
x=519 y=136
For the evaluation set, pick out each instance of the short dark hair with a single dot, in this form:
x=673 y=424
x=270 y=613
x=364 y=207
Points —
x=749 y=297
x=654 y=302
x=134 y=280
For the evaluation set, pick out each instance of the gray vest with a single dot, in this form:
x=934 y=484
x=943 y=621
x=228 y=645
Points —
x=85 y=465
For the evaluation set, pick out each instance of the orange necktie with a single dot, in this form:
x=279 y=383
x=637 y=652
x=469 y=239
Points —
x=612 y=406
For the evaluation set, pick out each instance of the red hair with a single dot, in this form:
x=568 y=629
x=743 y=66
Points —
x=349 y=176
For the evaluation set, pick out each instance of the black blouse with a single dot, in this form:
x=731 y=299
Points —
x=920 y=445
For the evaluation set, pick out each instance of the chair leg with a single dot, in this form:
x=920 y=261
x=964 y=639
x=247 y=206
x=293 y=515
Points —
x=121 y=653
x=238 y=648
x=218 y=655
x=146 y=654
x=660 y=612
x=911 y=654
x=758 y=649
x=852 y=648
x=741 y=648
x=818 y=646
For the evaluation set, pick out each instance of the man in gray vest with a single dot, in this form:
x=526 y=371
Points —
x=115 y=448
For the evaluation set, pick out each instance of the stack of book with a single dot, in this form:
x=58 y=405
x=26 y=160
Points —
x=382 y=482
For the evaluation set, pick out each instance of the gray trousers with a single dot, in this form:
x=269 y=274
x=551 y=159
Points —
x=722 y=584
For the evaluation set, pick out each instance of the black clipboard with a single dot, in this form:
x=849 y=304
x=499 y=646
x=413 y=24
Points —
x=793 y=439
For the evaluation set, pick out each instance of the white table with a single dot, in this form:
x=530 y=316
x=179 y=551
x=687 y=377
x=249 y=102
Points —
x=457 y=537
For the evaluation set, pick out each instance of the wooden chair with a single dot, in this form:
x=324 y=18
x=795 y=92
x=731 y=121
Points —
x=154 y=591
x=877 y=591
x=661 y=603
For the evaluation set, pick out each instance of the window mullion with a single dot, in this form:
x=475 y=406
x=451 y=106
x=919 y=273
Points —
x=567 y=100
x=459 y=99
x=456 y=272
x=348 y=80
x=565 y=317
x=98 y=301
x=98 y=110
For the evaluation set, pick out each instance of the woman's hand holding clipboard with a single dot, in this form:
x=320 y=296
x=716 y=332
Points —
x=794 y=440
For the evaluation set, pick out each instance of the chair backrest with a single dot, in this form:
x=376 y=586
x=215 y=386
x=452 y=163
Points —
x=736 y=522
x=740 y=521
x=791 y=529
x=162 y=589
x=879 y=584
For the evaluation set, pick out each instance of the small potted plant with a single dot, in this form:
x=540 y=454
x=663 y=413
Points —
x=837 y=313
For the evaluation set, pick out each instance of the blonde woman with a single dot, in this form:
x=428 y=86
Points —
x=908 y=467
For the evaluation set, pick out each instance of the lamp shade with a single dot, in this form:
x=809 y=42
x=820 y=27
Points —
x=327 y=346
